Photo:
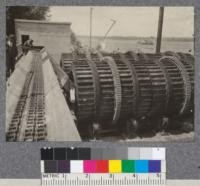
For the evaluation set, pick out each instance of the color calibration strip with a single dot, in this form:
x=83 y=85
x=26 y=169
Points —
x=103 y=166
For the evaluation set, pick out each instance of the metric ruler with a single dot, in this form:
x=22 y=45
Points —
x=82 y=167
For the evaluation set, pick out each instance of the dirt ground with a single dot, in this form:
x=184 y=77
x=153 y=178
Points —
x=159 y=137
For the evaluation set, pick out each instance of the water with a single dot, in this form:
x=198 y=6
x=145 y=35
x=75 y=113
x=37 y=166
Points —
x=124 y=45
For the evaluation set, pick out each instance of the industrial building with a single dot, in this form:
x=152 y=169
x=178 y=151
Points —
x=55 y=36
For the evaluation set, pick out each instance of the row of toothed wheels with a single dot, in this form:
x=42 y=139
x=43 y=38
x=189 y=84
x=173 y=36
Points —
x=127 y=86
x=87 y=94
x=66 y=62
x=188 y=61
x=158 y=88
x=85 y=91
x=151 y=80
x=106 y=83
x=185 y=63
x=68 y=58
x=132 y=85
x=176 y=86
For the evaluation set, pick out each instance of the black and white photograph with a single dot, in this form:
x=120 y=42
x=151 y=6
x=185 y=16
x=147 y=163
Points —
x=99 y=73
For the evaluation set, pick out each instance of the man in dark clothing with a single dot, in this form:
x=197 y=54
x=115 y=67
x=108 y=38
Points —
x=11 y=53
x=7 y=59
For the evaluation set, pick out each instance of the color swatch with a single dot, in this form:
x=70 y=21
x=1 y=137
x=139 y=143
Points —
x=115 y=166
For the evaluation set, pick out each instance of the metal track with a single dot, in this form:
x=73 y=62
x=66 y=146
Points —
x=36 y=127
x=15 y=124
x=30 y=126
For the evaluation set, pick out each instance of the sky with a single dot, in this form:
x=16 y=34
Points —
x=131 y=21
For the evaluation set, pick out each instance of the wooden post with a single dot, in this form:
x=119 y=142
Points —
x=91 y=9
x=160 y=26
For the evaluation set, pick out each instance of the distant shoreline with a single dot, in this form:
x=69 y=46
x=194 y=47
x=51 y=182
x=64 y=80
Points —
x=186 y=39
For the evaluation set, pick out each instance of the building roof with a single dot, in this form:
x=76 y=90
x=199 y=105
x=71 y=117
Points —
x=41 y=22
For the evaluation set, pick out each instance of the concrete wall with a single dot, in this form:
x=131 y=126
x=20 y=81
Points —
x=54 y=36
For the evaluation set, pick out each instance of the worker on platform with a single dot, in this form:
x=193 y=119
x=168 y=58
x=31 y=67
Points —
x=27 y=46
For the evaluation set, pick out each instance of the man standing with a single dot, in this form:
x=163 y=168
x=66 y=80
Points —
x=11 y=53
x=7 y=59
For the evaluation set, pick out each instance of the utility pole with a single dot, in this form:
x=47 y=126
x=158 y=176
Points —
x=91 y=10
x=160 y=26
